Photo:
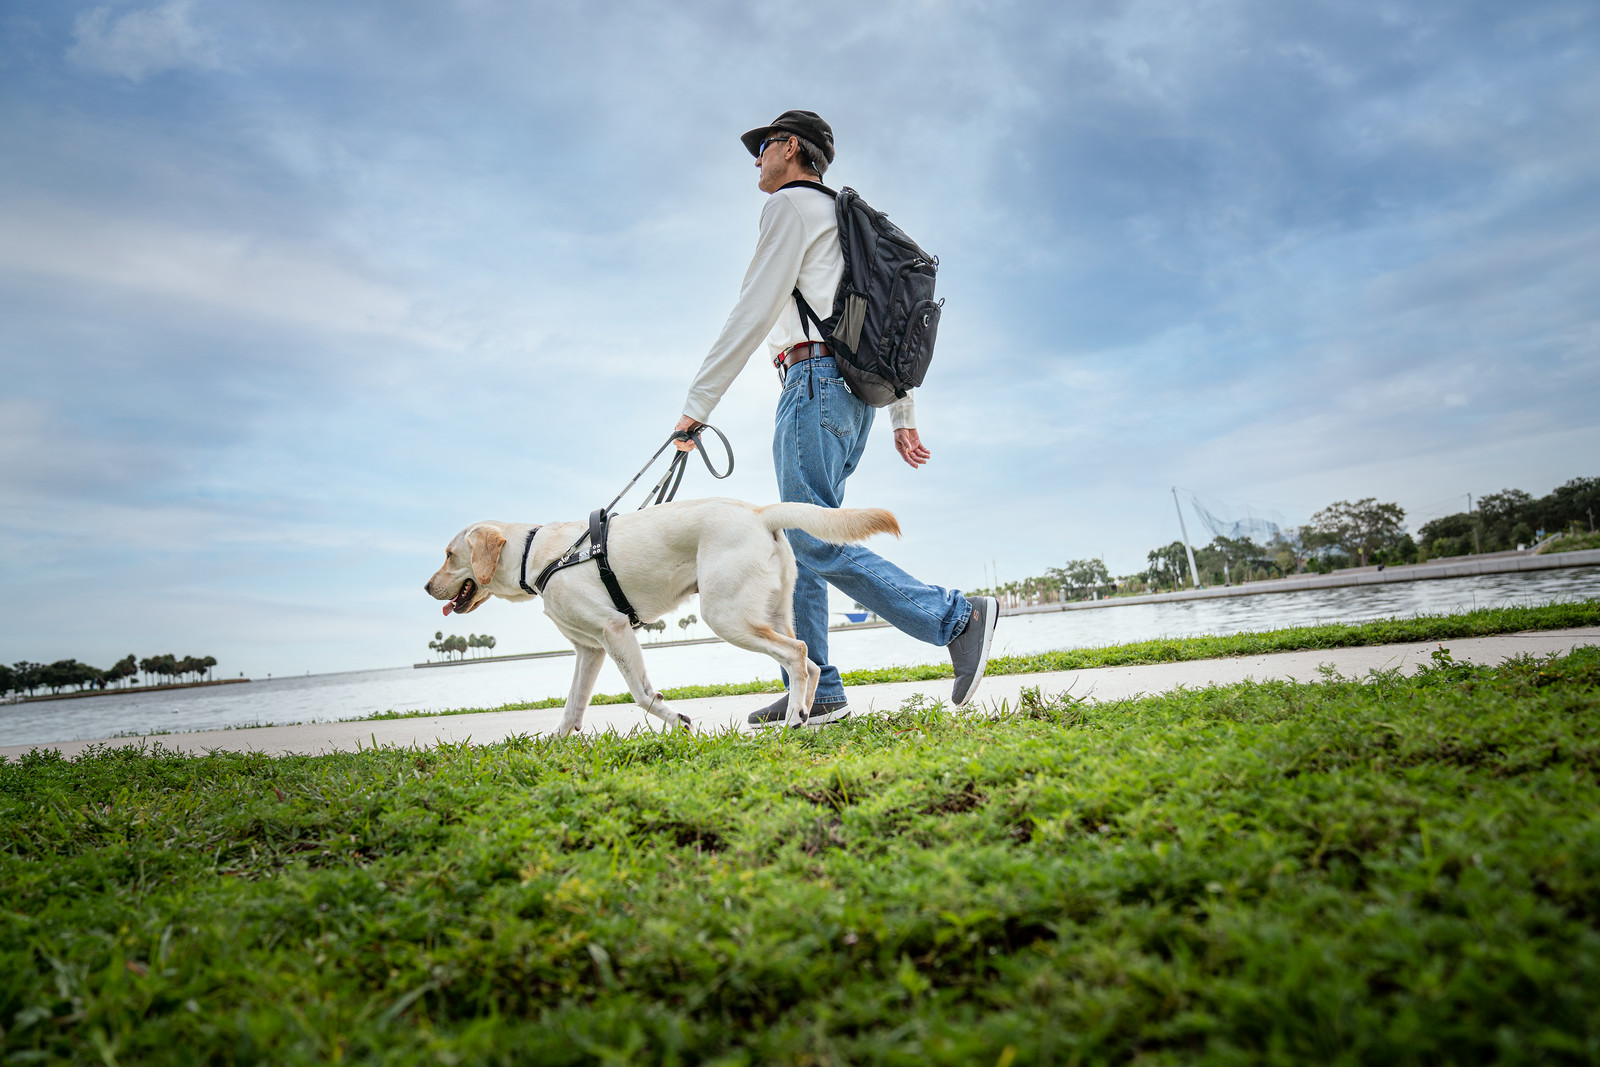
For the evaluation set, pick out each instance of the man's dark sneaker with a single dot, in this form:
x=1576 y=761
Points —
x=970 y=650
x=777 y=713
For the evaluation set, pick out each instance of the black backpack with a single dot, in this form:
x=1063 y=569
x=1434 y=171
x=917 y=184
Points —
x=884 y=316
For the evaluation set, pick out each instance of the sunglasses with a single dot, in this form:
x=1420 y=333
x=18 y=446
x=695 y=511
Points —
x=773 y=140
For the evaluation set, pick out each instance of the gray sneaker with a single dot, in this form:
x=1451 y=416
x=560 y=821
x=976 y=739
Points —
x=777 y=713
x=969 y=652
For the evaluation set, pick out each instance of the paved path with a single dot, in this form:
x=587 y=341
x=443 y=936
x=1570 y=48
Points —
x=718 y=713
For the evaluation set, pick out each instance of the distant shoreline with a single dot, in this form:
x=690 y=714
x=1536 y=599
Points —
x=1450 y=567
x=130 y=689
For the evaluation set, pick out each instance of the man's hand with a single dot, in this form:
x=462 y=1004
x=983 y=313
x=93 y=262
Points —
x=911 y=448
x=686 y=425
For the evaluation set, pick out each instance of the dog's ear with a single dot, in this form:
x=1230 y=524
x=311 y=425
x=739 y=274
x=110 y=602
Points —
x=486 y=543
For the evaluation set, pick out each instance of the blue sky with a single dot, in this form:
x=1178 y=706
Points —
x=290 y=292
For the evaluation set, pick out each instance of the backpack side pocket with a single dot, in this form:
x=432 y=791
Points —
x=916 y=351
x=851 y=319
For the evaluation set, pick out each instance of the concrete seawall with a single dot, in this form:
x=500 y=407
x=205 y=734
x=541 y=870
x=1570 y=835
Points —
x=1455 y=567
x=108 y=692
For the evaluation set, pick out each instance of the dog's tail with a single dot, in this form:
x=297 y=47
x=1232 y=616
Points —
x=837 y=526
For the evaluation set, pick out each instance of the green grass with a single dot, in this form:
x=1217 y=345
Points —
x=1480 y=622
x=1579 y=543
x=1392 y=870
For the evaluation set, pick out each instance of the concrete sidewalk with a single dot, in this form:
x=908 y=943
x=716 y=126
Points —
x=721 y=713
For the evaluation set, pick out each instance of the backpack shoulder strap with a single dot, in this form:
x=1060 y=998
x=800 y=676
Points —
x=802 y=183
x=807 y=315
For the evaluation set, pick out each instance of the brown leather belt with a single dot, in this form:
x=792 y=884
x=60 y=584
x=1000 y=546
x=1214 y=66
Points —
x=800 y=353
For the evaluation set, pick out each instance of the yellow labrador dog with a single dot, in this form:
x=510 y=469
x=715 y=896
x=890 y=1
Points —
x=732 y=553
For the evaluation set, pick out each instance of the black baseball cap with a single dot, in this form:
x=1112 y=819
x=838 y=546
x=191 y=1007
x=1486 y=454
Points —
x=805 y=124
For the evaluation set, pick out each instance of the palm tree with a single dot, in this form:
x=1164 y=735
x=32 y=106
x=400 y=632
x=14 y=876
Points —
x=686 y=622
x=123 y=669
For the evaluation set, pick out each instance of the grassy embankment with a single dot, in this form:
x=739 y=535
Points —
x=1580 y=543
x=1397 y=870
x=1479 y=623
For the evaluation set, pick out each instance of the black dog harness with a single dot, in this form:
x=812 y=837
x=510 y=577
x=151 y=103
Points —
x=599 y=527
x=600 y=524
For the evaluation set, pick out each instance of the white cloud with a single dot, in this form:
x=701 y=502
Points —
x=141 y=43
x=234 y=272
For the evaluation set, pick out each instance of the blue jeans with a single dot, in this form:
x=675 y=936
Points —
x=820 y=433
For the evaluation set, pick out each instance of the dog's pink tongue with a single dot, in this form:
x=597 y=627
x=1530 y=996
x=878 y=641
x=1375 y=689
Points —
x=448 y=608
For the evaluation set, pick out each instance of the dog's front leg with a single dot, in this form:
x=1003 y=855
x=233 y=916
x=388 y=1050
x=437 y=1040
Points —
x=584 y=673
x=625 y=652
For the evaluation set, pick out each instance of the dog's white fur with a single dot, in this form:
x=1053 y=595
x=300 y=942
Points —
x=732 y=553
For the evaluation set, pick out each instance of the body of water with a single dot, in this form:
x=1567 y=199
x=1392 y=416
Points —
x=351 y=695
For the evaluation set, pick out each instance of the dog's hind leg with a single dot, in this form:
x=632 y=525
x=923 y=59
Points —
x=583 y=677
x=753 y=608
x=629 y=658
x=790 y=652
x=782 y=613
x=813 y=676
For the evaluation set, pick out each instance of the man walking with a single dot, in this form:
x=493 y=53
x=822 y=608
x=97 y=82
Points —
x=821 y=427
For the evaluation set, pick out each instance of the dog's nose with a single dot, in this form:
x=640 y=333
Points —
x=427 y=587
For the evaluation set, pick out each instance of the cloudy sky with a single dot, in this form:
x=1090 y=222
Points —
x=291 y=291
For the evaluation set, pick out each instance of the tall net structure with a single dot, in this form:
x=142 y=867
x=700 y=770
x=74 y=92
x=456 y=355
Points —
x=1239 y=521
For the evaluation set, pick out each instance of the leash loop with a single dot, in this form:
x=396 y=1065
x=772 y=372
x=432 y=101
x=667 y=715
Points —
x=667 y=488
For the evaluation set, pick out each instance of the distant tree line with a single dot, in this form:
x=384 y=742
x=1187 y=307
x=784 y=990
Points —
x=1079 y=579
x=453 y=646
x=1511 y=517
x=1344 y=534
x=460 y=646
x=660 y=625
x=26 y=677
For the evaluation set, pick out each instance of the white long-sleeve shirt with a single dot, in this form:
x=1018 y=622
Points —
x=799 y=245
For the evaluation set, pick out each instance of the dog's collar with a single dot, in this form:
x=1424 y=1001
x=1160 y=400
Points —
x=522 y=579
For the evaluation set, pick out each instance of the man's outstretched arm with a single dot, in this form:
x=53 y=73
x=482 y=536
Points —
x=767 y=284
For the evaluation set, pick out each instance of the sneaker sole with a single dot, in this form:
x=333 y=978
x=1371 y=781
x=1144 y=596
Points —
x=811 y=723
x=832 y=717
x=983 y=657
